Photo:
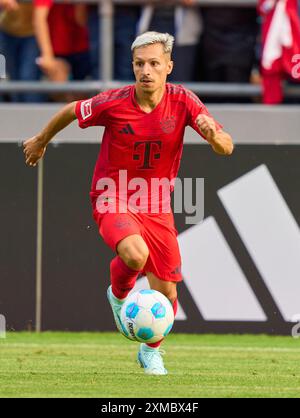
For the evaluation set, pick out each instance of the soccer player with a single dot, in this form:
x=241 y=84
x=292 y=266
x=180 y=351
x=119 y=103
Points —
x=144 y=129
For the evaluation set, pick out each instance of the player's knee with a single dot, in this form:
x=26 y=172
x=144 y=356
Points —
x=136 y=258
x=137 y=261
x=134 y=252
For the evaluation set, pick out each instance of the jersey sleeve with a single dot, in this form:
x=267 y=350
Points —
x=194 y=108
x=91 y=112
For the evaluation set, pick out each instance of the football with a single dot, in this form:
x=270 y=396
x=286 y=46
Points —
x=147 y=316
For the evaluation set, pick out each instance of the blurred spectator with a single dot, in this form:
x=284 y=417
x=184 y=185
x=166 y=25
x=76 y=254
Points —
x=18 y=45
x=228 y=43
x=184 y=23
x=62 y=35
x=281 y=43
x=94 y=36
x=125 y=31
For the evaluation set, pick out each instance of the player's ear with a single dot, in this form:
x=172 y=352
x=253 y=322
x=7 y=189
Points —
x=170 y=67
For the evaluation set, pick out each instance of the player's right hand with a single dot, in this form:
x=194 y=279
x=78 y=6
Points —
x=207 y=127
x=33 y=150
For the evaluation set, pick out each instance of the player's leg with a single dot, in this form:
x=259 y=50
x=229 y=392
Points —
x=169 y=289
x=122 y=233
x=124 y=270
x=149 y=355
x=163 y=269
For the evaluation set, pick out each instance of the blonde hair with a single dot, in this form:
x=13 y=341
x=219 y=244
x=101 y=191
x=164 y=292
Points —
x=150 y=38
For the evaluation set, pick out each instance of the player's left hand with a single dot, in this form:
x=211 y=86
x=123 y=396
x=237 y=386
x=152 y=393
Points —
x=207 y=127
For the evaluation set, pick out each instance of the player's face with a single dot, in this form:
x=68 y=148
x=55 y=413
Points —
x=151 y=67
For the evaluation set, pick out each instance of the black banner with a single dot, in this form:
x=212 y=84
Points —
x=75 y=268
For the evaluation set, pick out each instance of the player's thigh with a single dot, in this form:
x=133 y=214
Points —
x=134 y=251
x=115 y=227
x=167 y=288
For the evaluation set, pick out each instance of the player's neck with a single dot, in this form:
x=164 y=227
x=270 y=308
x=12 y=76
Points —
x=149 y=100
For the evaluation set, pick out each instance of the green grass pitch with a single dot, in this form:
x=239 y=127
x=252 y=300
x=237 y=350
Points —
x=103 y=365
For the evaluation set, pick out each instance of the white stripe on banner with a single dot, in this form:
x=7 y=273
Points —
x=270 y=233
x=213 y=276
x=2 y=326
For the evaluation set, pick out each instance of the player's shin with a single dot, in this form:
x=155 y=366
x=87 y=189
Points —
x=158 y=343
x=123 y=278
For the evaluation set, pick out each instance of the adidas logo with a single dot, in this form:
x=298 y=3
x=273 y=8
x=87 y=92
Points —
x=127 y=130
x=176 y=271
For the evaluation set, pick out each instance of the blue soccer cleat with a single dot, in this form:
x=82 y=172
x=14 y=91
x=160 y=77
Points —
x=151 y=361
x=116 y=306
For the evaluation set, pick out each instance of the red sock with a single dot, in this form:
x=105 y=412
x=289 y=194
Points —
x=122 y=277
x=155 y=345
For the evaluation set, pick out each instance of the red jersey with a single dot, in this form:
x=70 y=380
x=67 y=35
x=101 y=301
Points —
x=67 y=36
x=148 y=145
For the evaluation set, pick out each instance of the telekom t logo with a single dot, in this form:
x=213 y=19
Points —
x=147 y=150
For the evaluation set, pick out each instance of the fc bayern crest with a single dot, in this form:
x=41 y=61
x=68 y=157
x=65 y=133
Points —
x=168 y=125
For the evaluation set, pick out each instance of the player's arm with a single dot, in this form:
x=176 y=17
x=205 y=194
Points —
x=35 y=147
x=220 y=141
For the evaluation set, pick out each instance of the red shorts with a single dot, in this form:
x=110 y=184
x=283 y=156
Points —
x=157 y=230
